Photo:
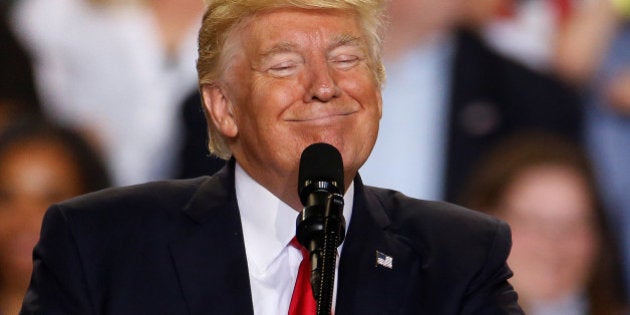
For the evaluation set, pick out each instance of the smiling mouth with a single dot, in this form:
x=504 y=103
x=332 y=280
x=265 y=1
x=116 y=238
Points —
x=321 y=118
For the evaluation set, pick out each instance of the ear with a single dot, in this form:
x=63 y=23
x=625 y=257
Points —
x=219 y=110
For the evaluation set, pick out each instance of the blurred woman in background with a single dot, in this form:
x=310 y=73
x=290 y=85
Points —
x=593 y=53
x=117 y=70
x=39 y=164
x=564 y=258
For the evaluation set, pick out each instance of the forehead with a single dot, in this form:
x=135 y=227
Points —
x=294 y=27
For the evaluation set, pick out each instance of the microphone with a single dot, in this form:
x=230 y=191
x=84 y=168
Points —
x=320 y=227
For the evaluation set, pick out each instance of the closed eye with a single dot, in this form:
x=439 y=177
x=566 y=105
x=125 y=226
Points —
x=346 y=61
x=283 y=69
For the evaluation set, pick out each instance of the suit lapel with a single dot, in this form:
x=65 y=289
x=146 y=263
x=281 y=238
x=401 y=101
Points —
x=209 y=255
x=208 y=250
x=367 y=285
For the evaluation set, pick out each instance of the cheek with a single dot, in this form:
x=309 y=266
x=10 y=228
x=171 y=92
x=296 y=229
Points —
x=358 y=80
x=581 y=252
x=258 y=119
x=522 y=243
x=364 y=91
x=368 y=96
x=255 y=119
x=19 y=233
x=270 y=97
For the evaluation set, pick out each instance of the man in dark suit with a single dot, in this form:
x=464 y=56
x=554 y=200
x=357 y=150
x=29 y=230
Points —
x=275 y=78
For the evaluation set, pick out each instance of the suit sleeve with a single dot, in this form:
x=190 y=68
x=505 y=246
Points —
x=58 y=284
x=490 y=292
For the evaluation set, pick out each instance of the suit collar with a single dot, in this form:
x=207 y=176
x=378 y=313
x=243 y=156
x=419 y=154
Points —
x=208 y=250
x=365 y=285
x=370 y=205
x=213 y=194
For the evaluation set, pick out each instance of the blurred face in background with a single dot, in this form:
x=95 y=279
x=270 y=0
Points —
x=554 y=232
x=425 y=14
x=33 y=175
x=481 y=12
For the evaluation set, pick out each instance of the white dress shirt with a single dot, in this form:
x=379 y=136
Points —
x=268 y=227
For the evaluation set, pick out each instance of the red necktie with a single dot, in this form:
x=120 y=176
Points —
x=302 y=301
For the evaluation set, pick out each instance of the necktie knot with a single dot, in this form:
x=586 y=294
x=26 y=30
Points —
x=296 y=244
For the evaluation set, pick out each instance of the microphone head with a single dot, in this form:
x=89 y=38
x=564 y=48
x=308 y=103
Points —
x=320 y=162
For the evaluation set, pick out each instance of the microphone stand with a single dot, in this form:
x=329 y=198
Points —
x=322 y=228
x=333 y=217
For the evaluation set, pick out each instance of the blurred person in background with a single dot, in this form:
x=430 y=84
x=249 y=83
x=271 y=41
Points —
x=450 y=97
x=194 y=159
x=276 y=76
x=118 y=70
x=526 y=30
x=593 y=53
x=39 y=164
x=18 y=97
x=564 y=256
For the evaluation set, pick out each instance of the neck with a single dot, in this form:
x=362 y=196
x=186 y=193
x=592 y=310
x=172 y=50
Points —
x=283 y=186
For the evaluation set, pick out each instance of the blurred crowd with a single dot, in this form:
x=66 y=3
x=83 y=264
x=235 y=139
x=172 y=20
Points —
x=517 y=108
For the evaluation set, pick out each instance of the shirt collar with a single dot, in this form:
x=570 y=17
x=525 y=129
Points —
x=268 y=223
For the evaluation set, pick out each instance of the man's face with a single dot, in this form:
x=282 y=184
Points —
x=295 y=78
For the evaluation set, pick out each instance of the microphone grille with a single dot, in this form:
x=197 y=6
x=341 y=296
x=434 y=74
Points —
x=320 y=162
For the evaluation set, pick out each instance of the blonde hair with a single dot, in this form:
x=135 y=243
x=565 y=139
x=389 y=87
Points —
x=223 y=15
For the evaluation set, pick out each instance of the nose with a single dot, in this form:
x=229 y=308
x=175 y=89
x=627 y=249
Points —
x=322 y=86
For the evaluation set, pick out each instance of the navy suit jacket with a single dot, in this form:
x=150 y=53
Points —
x=176 y=247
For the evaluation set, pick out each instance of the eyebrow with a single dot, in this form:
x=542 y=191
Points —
x=282 y=47
x=346 y=40
x=338 y=41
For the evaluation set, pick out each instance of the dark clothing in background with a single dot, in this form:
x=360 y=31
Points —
x=17 y=87
x=493 y=97
x=194 y=158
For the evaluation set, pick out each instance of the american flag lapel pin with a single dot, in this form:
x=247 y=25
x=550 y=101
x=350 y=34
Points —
x=384 y=260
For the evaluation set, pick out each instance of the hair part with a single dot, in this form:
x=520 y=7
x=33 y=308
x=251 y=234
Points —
x=222 y=18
